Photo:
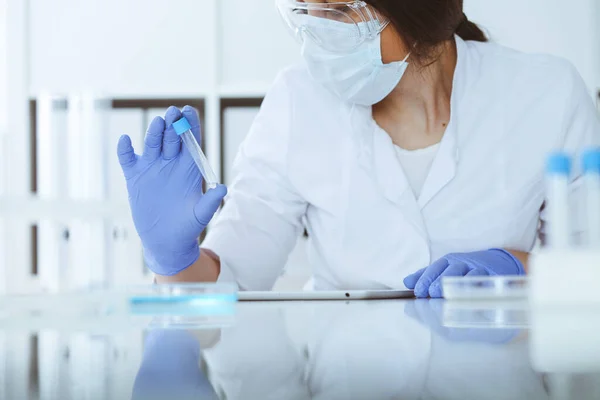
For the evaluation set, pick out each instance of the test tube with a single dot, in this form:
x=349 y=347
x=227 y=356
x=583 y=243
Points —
x=183 y=129
x=558 y=171
x=591 y=171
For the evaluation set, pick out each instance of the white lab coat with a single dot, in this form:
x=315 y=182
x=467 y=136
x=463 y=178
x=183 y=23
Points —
x=311 y=161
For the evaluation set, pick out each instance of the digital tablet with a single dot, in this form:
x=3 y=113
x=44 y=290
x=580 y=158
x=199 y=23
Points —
x=326 y=295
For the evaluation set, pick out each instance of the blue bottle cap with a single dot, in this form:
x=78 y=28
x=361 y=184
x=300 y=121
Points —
x=559 y=164
x=181 y=126
x=591 y=161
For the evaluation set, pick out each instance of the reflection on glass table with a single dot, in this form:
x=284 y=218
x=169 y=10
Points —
x=365 y=351
x=315 y=350
x=170 y=368
x=465 y=321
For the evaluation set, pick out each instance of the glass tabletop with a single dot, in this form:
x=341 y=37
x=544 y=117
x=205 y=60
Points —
x=400 y=349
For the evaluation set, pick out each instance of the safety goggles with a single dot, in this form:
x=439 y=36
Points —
x=337 y=27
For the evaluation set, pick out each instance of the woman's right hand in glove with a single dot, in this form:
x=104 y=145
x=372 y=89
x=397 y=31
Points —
x=165 y=194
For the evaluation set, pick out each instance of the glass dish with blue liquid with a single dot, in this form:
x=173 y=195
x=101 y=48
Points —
x=183 y=299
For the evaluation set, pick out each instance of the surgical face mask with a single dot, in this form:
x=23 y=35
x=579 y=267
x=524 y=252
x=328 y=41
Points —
x=358 y=76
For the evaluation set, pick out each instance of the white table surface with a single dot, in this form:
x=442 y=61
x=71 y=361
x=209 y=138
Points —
x=398 y=349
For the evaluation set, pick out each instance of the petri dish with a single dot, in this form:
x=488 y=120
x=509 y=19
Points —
x=183 y=299
x=184 y=305
x=485 y=287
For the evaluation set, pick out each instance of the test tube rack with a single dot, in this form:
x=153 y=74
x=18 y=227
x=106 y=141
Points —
x=567 y=273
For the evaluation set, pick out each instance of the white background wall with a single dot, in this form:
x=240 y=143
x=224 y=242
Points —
x=570 y=29
x=3 y=61
x=156 y=47
x=123 y=48
x=3 y=124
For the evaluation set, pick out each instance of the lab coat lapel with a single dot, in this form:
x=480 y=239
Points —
x=378 y=156
x=388 y=171
x=392 y=179
x=442 y=170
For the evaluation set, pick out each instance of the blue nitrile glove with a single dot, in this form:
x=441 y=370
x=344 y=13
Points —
x=165 y=194
x=428 y=281
x=170 y=368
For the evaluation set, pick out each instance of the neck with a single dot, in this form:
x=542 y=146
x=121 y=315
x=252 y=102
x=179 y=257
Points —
x=417 y=111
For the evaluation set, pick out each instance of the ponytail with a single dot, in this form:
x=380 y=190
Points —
x=468 y=30
x=428 y=23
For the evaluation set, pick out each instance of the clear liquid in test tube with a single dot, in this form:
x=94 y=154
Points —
x=591 y=176
x=558 y=171
x=183 y=129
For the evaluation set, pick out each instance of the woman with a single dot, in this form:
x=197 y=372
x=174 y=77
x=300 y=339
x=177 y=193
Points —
x=406 y=145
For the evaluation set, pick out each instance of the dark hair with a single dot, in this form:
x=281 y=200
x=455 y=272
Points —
x=428 y=23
